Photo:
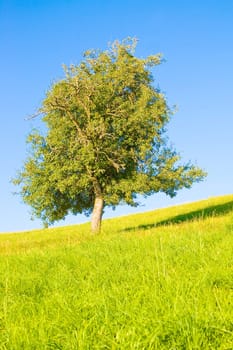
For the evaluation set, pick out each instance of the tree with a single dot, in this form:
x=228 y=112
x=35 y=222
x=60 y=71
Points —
x=105 y=140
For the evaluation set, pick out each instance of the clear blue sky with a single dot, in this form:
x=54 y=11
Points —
x=196 y=39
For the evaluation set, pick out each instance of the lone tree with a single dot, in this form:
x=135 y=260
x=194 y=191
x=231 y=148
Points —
x=105 y=141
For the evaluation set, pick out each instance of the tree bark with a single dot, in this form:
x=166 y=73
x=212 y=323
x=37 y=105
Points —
x=97 y=215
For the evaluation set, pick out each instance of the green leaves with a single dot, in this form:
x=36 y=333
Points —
x=105 y=124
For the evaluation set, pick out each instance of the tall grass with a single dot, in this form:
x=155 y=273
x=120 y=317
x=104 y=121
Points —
x=158 y=280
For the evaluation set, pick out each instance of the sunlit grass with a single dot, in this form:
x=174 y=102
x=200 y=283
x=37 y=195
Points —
x=157 y=280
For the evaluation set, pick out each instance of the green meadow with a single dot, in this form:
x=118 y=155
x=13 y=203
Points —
x=157 y=280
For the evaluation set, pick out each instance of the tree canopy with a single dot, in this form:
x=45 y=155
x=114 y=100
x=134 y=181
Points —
x=105 y=141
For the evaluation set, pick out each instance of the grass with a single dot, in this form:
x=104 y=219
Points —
x=157 y=280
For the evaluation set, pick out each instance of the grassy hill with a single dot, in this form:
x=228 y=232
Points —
x=157 y=280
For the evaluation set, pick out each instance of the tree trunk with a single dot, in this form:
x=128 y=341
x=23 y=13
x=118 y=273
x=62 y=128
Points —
x=97 y=215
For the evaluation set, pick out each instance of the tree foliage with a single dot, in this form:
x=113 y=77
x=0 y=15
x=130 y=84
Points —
x=105 y=139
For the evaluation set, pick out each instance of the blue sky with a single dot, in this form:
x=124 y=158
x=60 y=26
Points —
x=196 y=40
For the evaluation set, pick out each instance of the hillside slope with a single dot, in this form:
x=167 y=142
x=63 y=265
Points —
x=157 y=280
x=143 y=223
